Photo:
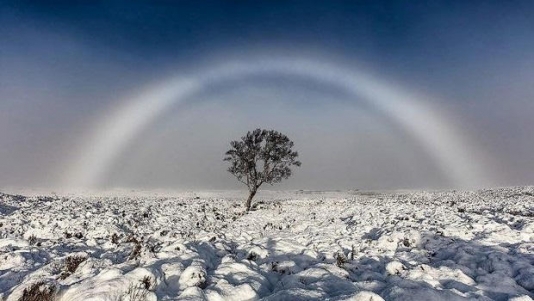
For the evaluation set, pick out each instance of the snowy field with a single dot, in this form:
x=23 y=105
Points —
x=293 y=246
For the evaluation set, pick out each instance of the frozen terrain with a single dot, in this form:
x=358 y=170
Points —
x=292 y=246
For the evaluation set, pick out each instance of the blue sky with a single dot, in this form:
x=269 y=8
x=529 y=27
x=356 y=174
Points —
x=65 y=64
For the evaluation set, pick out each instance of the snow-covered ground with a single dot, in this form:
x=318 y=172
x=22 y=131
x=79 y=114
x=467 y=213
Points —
x=294 y=246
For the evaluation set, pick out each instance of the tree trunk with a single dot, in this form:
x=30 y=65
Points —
x=249 y=200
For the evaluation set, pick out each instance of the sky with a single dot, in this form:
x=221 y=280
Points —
x=70 y=71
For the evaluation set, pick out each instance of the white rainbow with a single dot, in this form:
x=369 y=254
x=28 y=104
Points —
x=429 y=127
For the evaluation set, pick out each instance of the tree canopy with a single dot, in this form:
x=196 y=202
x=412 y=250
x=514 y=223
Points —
x=261 y=156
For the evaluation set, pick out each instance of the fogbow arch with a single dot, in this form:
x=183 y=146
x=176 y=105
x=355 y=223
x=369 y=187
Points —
x=434 y=133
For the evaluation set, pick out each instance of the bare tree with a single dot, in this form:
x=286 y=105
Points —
x=262 y=156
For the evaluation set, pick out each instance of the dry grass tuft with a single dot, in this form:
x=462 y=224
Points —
x=146 y=283
x=341 y=259
x=71 y=264
x=39 y=291
x=136 y=292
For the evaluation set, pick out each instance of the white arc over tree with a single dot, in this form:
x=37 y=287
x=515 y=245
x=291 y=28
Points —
x=436 y=135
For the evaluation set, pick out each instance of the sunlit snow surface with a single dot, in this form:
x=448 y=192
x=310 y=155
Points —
x=293 y=246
